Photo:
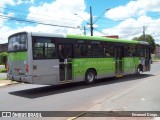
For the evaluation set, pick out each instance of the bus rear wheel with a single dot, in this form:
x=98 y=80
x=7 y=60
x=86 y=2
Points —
x=90 y=76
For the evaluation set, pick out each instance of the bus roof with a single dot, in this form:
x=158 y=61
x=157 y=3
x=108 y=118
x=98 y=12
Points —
x=98 y=38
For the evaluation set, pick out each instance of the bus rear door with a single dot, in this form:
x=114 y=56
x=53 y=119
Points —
x=65 y=53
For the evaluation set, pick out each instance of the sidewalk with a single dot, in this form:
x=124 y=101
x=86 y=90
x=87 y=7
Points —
x=4 y=81
x=7 y=82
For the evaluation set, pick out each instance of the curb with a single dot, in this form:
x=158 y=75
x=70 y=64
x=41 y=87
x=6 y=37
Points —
x=7 y=82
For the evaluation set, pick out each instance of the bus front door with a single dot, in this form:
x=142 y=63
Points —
x=65 y=53
x=118 y=56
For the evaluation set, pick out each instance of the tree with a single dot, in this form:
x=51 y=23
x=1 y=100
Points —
x=3 y=57
x=148 y=38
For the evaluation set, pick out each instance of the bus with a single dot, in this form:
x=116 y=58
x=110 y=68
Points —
x=53 y=59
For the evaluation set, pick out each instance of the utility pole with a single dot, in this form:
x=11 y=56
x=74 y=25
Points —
x=84 y=30
x=91 y=21
x=144 y=29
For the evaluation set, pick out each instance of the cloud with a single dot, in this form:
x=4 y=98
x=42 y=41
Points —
x=5 y=31
x=19 y=2
x=60 y=12
x=25 y=2
x=133 y=9
x=29 y=1
x=3 y=3
x=133 y=17
x=130 y=28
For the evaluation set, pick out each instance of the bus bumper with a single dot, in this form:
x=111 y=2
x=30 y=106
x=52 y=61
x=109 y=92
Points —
x=26 y=79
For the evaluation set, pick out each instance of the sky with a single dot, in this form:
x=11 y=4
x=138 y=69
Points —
x=125 y=18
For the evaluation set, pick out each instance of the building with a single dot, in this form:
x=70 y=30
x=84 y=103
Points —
x=3 y=47
x=157 y=51
x=112 y=36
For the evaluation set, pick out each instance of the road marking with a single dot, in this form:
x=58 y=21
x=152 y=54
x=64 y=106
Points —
x=73 y=118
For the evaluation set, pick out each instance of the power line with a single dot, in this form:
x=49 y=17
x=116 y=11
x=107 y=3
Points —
x=38 y=22
x=34 y=22
x=100 y=16
x=100 y=31
x=37 y=14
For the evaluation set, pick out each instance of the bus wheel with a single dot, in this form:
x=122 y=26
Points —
x=90 y=76
x=139 y=70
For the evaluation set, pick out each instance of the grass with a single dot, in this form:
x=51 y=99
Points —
x=156 y=58
x=3 y=70
x=3 y=79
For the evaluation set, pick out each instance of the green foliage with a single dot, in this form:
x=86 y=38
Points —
x=3 y=70
x=3 y=58
x=158 y=45
x=148 y=38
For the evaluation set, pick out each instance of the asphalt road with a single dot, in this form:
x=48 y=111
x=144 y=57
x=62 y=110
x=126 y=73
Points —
x=28 y=97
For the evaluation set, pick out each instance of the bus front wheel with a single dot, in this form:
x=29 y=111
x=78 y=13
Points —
x=90 y=76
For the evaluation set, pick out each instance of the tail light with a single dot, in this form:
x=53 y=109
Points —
x=27 y=68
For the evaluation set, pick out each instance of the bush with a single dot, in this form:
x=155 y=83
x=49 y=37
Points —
x=3 y=70
x=3 y=58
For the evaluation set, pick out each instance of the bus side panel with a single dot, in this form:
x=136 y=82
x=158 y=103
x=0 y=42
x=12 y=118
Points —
x=46 y=71
x=130 y=65
x=105 y=67
x=78 y=69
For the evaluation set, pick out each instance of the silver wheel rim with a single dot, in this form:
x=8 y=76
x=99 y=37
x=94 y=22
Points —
x=138 y=70
x=90 y=77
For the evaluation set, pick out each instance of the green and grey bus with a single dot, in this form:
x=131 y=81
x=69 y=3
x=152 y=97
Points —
x=52 y=59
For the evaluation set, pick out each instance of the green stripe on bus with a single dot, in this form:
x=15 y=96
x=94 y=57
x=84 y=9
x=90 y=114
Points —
x=17 y=56
x=101 y=39
x=101 y=65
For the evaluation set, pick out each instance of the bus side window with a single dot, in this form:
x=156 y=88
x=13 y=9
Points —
x=81 y=50
x=50 y=50
x=108 y=50
x=78 y=50
x=129 y=51
x=141 y=51
x=133 y=50
x=43 y=48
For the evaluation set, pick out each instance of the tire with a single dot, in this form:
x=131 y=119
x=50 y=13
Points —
x=139 y=70
x=90 y=76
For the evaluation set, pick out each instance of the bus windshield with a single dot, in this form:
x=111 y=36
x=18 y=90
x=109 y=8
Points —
x=17 y=42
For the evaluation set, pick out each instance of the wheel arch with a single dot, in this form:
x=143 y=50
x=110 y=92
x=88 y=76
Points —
x=93 y=69
x=141 y=67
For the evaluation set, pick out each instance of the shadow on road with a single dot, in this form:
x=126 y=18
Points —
x=51 y=90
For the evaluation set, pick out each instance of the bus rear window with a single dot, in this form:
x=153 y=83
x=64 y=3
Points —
x=17 y=42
